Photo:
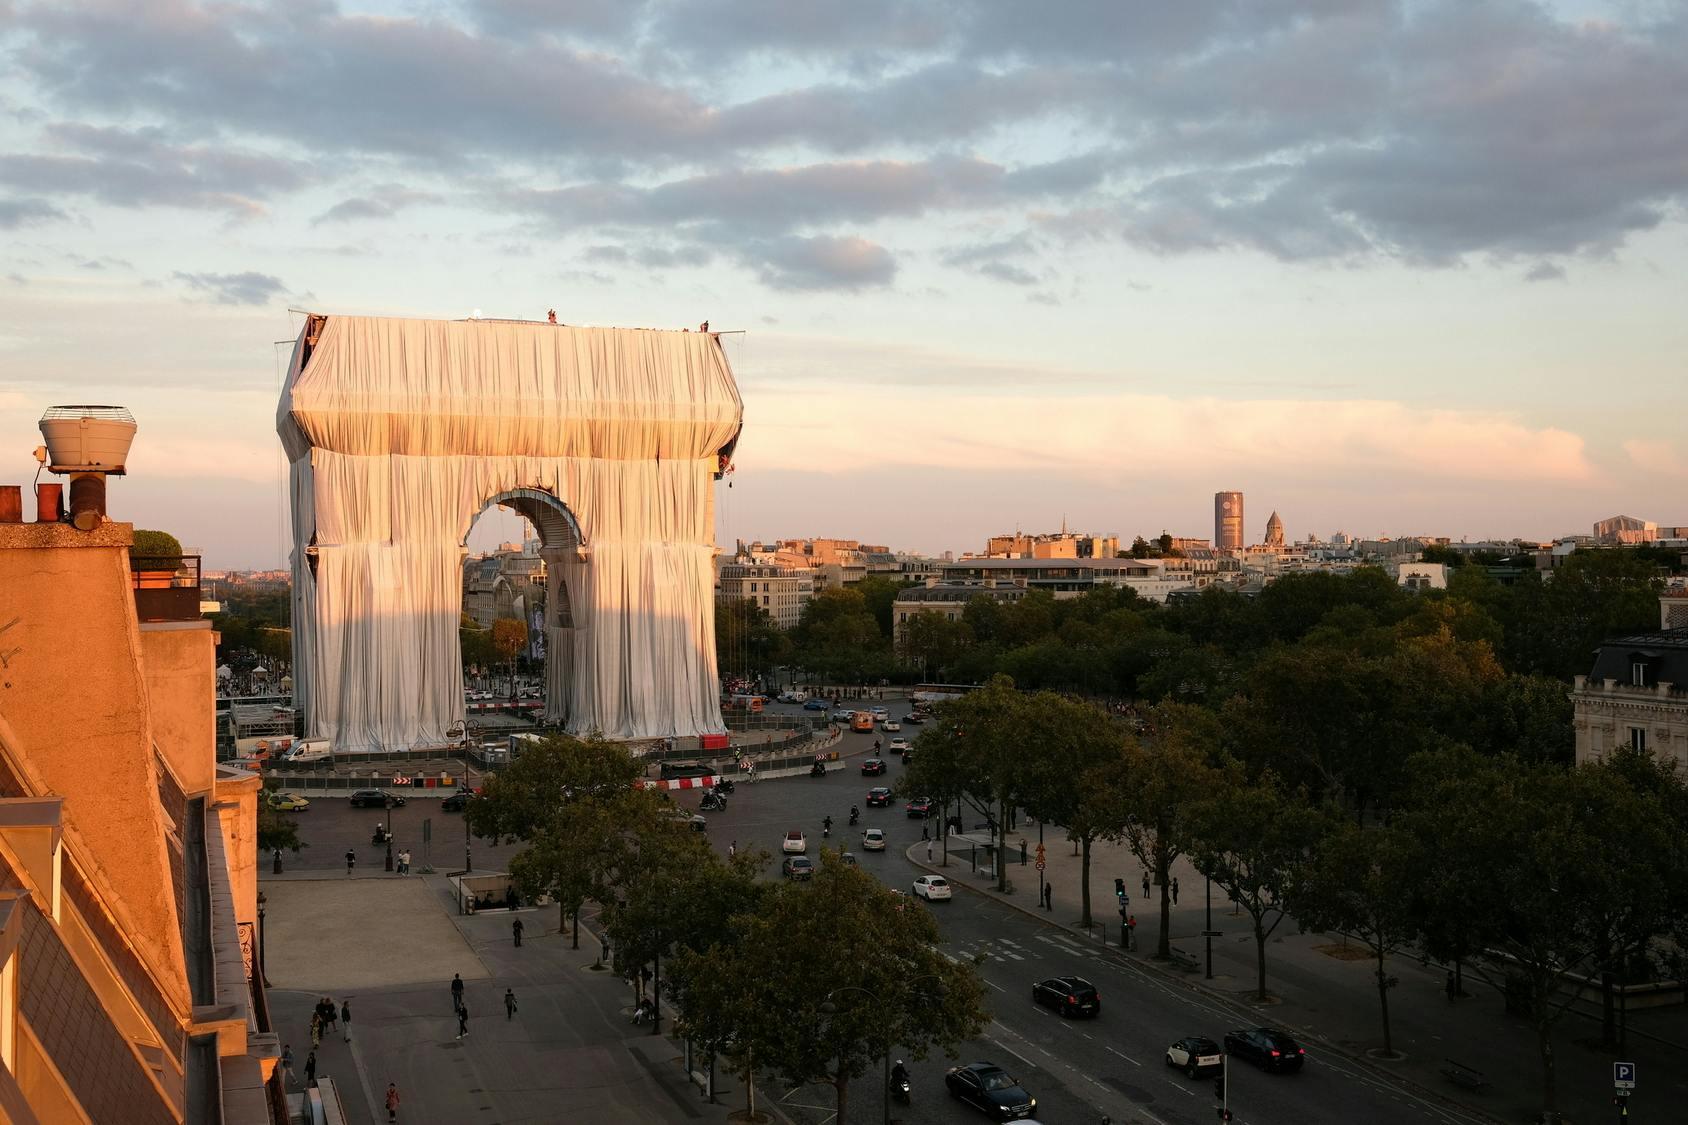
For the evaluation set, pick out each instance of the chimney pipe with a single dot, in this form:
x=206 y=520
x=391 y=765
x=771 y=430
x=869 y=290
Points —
x=11 y=503
x=87 y=500
x=47 y=501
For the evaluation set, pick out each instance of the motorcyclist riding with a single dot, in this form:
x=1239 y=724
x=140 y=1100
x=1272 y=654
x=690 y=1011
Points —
x=826 y=826
x=899 y=1080
x=854 y=814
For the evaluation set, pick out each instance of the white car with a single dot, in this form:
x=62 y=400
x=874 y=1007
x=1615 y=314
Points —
x=873 y=840
x=932 y=888
x=890 y=725
x=1196 y=1055
x=899 y=745
x=880 y=715
x=794 y=843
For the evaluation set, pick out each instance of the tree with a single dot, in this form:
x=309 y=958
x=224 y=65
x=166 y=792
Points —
x=1255 y=840
x=1355 y=884
x=509 y=638
x=931 y=641
x=821 y=1008
x=475 y=643
x=1166 y=774
x=747 y=642
x=277 y=830
x=1079 y=763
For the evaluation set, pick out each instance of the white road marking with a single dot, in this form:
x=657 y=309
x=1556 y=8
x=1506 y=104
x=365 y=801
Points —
x=1125 y=1056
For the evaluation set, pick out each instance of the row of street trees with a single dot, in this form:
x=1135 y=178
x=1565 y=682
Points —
x=1545 y=879
x=769 y=976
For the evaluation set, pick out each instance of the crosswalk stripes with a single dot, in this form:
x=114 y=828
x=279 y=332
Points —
x=991 y=949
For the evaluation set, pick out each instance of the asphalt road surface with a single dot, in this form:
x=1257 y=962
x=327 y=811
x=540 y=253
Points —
x=1079 y=1070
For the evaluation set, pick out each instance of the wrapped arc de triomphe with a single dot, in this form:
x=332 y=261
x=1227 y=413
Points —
x=609 y=440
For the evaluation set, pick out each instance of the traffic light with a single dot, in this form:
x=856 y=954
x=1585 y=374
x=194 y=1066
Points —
x=1119 y=889
x=1224 y=1114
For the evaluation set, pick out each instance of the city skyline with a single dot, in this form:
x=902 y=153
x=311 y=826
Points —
x=991 y=270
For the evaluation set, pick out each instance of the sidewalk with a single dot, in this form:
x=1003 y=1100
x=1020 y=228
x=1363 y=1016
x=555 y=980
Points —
x=570 y=1052
x=1324 y=989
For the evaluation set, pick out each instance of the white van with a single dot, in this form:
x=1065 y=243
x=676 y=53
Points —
x=308 y=750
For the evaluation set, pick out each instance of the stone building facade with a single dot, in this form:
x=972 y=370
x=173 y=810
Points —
x=1636 y=695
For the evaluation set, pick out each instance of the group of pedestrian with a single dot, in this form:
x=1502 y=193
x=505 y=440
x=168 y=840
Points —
x=403 y=860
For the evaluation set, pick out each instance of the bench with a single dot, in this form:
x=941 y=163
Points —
x=1464 y=1076
x=1185 y=961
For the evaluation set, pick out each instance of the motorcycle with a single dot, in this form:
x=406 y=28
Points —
x=817 y=770
x=826 y=828
x=854 y=817
x=712 y=802
x=900 y=1089
x=723 y=786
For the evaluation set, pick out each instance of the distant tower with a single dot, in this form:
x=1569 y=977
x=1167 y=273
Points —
x=1275 y=532
x=1227 y=521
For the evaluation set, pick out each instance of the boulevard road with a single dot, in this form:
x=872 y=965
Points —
x=1079 y=1070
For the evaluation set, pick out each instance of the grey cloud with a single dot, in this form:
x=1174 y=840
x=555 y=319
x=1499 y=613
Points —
x=1420 y=130
x=1007 y=271
x=248 y=288
x=136 y=168
x=15 y=213
x=385 y=201
x=821 y=262
x=1545 y=271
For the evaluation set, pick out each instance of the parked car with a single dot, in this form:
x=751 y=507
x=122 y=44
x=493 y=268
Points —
x=899 y=745
x=991 y=1090
x=375 y=799
x=932 y=888
x=1266 y=1047
x=872 y=767
x=794 y=843
x=922 y=808
x=798 y=867
x=457 y=802
x=1070 y=996
x=1196 y=1055
x=878 y=797
x=815 y=705
x=890 y=725
x=873 y=840
x=286 y=802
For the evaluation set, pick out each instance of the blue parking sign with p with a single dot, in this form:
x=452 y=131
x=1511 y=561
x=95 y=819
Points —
x=1623 y=1075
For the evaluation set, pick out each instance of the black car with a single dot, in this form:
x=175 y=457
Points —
x=375 y=799
x=1070 y=996
x=457 y=802
x=872 y=767
x=991 y=1090
x=798 y=867
x=879 y=797
x=914 y=717
x=922 y=808
x=1268 y=1047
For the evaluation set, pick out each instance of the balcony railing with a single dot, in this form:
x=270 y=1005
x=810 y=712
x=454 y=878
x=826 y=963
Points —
x=166 y=587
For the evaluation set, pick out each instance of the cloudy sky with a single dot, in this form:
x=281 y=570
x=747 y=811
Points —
x=1392 y=266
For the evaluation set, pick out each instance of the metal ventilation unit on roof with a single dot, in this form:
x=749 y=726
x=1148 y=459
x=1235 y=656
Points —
x=88 y=444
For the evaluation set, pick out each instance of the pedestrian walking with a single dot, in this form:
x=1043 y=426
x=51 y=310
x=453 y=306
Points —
x=346 y=1019
x=1175 y=890
x=638 y=985
x=351 y=860
x=1451 y=987
x=329 y=1012
x=462 y=1021
x=509 y=1004
x=1049 y=896
x=287 y=1061
x=316 y=1029
x=1145 y=884
x=645 y=980
x=516 y=929
x=310 y=1069
x=732 y=849
x=456 y=992
x=928 y=850
x=392 y=1103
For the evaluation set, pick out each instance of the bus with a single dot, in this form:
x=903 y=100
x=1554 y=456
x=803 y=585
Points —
x=924 y=695
x=862 y=722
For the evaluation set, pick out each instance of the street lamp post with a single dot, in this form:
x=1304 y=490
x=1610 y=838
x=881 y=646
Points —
x=1209 y=930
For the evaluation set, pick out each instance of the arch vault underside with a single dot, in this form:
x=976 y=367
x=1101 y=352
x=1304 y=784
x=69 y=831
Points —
x=399 y=432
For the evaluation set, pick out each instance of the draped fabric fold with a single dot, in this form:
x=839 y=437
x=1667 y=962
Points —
x=400 y=432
